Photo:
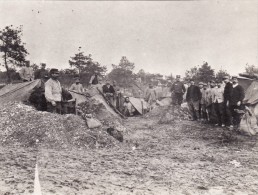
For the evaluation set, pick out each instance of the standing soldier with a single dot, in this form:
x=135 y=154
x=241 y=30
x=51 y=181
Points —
x=53 y=92
x=26 y=72
x=238 y=95
x=177 y=91
x=200 y=108
x=227 y=100
x=42 y=73
x=94 y=79
x=150 y=96
x=117 y=95
x=193 y=97
x=212 y=115
x=77 y=86
x=218 y=105
x=203 y=110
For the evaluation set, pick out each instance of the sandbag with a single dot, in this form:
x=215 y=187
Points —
x=93 y=123
x=248 y=124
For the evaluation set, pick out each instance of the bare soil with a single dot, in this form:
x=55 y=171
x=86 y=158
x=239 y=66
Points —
x=181 y=158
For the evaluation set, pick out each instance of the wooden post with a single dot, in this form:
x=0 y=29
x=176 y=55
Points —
x=75 y=107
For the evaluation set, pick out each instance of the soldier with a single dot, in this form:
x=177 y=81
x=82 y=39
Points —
x=177 y=91
x=193 y=97
x=42 y=73
x=150 y=96
x=238 y=95
x=227 y=99
x=203 y=111
x=128 y=108
x=117 y=95
x=26 y=72
x=218 y=104
x=77 y=86
x=53 y=92
x=94 y=78
x=109 y=92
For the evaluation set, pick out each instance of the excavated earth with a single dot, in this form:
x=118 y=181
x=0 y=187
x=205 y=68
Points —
x=177 y=157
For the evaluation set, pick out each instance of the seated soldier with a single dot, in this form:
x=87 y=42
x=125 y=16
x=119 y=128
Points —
x=109 y=92
x=128 y=108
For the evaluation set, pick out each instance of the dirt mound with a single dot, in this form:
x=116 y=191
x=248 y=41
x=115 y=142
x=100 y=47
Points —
x=168 y=114
x=23 y=125
x=98 y=110
x=156 y=112
x=94 y=107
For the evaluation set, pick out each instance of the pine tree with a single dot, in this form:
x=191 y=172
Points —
x=12 y=47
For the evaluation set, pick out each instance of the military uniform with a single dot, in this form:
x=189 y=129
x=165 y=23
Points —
x=178 y=90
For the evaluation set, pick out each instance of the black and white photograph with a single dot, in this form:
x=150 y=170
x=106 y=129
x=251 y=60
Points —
x=129 y=97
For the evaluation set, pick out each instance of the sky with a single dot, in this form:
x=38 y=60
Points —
x=167 y=37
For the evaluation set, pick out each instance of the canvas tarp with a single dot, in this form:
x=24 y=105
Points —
x=251 y=97
x=97 y=96
x=244 y=82
x=251 y=94
x=79 y=97
x=139 y=104
x=19 y=91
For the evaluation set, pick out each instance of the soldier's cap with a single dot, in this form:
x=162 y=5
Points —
x=226 y=77
x=200 y=83
x=204 y=84
x=177 y=76
x=53 y=70
x=234 y=77
x=43 y=64
x=212 y=81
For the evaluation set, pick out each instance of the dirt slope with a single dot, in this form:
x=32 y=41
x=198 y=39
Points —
x=183 y=157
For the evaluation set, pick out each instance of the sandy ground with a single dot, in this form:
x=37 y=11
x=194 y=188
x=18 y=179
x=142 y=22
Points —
x=183 y=158
x=17 y=166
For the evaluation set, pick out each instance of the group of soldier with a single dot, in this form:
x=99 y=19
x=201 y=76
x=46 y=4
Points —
x=26 y=73
x=217 y=102
x=52 y=94
x=113 y=95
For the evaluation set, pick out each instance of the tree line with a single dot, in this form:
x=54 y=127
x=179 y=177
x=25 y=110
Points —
x=14 y=55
